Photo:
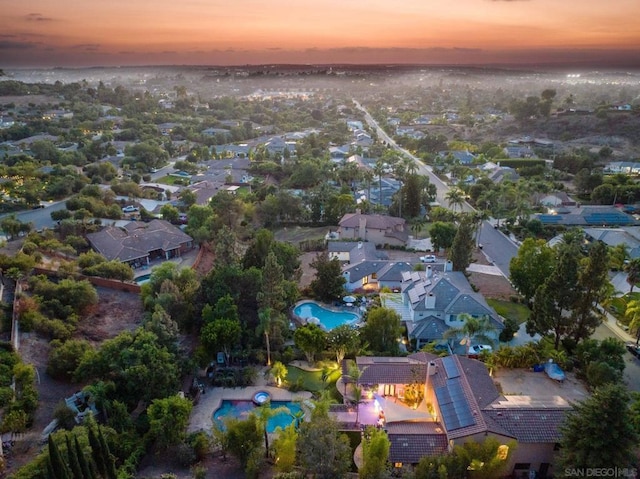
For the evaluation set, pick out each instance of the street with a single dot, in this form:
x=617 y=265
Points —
x=39 y=218
x=632 y=364
x=496 y=246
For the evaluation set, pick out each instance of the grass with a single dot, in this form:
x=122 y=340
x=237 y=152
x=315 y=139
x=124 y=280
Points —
x=312 y=380
x=509 y=309
x=171 y=180
x=296 y=234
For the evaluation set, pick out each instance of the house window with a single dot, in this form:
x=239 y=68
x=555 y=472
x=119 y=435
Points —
x=398 y=465
x=365 y=280
x=374 y=276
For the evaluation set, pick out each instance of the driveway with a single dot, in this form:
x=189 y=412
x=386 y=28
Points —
x=529 y=387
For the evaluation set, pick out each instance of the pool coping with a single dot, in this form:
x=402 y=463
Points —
x=303 y=321
x=202 y=413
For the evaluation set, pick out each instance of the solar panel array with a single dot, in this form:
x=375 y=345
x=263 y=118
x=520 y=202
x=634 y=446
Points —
x=414 y=297
x=550 y=219
x=454 y=408
x=607 y=218
x=450 y=367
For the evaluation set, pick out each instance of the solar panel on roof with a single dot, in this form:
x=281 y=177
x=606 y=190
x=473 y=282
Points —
x=453 y=405
x=450 y=367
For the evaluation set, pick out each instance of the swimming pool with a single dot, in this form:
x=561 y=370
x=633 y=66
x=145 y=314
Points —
x=143 y=279
x=241 y=409
x=328 y=319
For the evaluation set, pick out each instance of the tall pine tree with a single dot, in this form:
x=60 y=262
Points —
x=59 y=468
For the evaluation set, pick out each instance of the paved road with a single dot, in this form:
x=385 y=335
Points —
x=40 y=218
x=632 y=364
x=423 y=169
x=496 y=245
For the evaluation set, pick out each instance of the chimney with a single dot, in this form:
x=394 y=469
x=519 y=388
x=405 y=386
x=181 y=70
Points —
x=430 y=301
x=359 y=244
x=429 y=272
x=448 y=266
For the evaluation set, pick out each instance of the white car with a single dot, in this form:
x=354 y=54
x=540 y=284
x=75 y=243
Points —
x=430 y=258
x=129 y=209
x=479 y=348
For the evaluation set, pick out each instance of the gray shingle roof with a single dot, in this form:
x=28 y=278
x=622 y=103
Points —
x=137 y=239
x=429 y=328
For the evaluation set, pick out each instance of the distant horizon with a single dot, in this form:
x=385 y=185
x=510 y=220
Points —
x=76 y=33
x=610 y=64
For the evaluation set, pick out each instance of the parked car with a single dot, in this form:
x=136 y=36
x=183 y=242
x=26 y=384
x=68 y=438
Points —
x=634 y=349
x=479 y=348
x=129 y=209
x=430 y=258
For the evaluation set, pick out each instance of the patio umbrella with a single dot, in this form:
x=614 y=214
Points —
x=349 y=299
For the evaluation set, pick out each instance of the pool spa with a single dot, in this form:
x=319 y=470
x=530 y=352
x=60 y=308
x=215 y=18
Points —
x=327 y=318
x=241 y=409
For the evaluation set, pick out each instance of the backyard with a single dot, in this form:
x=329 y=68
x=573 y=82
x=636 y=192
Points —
x=509 y=309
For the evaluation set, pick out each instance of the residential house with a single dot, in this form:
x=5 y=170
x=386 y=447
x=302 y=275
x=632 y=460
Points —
x=463 y=157
x=432 y=302
x=556 y=198
x=624 y=167
x=589 y=216
x=461 y=403
x=378 y=229
x=502 y=173
x=139 y=243
x=612 y=237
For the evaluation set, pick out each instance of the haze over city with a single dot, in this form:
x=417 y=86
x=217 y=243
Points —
x=38 y=33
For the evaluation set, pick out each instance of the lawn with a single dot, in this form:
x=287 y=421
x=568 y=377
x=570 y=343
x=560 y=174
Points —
x=172 y=180
x=312 y=380
x=509 y=309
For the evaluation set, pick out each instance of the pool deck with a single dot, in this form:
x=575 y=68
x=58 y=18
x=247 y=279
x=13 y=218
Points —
x=202 y=414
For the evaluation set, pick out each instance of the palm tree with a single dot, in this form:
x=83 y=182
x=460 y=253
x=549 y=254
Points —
x=633 y=273
x=368 y=177
x=455 y=197
x=279 y=372
x=264 y=315
x=633 y=312
x=357 y=397
x=378 y=169
x=264 y=413
x=473 y=328
x=417 y=224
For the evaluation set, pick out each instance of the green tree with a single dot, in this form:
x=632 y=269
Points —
x=279 y=372
x=243 y=438
x=554 y=300
x=58 y=466
x=139 y=367
x=170 y=213
x=273 y=294
x=342 y=340
x=375 y=454
x=594 y=286
x=442 y=234
x=598 y=432
x=456 y=198
x=328 y=284
x=473 y=330
x=221 y=334
x=285 y=448
x=633 y=273
x=311 y=340
x=168 y=420
x=462 y=247
x=65 y=357
x=531 y=267
x=322 y=451
x=382 y=330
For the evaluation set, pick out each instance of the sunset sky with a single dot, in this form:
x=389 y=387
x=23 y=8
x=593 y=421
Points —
x=231 y=32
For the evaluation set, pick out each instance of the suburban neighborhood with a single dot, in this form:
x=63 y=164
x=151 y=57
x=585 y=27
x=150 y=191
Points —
x=315 y=274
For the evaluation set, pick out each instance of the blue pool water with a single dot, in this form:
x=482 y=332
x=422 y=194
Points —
x=241 y=409
x=328 y=319
x=143 y=279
